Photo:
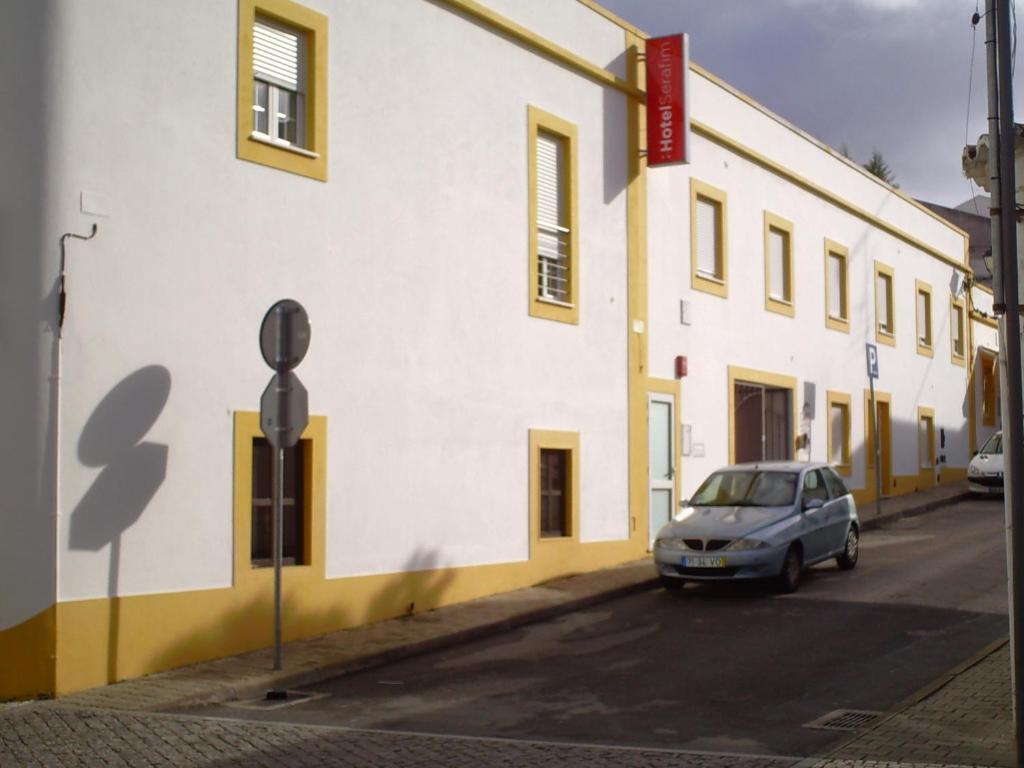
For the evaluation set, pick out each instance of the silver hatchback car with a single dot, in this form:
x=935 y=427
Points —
x=760 y=521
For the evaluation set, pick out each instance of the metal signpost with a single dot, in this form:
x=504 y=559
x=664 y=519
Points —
x=284 y=414
x=872 y=352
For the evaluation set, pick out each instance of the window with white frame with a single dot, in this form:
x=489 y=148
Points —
x=709 y=249
x=924 y=317
x=279 y=87
x=778 y=264
x=837 y=286
x=956 y=329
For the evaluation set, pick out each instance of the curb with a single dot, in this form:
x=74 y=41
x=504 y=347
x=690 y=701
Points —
x=257 y=686
x=924 y=508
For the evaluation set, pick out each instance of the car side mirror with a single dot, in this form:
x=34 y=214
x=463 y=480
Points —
x=810 y=504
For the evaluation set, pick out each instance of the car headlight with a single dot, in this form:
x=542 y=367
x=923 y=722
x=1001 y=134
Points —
x=742 y=545
x=671 y=542
x=972 y=470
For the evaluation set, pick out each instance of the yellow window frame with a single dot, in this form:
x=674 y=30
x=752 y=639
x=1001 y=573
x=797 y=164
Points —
x=314 y=440
x=885 y=336
x=717 y=284
x=832 y=248
x=926 y=346
x=842 y=401
x=787 y=304
x=558 y=440
x=540 y=121
x=310 y=161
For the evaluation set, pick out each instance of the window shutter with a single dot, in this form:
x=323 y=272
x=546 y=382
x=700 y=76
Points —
x=835 y=287
x=922 y=318
x=552 y=232
x=275 y=54
x=777 y=265
x=707 y=237
x=882 y=288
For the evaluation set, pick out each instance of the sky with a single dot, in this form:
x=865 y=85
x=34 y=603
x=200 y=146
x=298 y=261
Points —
x=889 y=75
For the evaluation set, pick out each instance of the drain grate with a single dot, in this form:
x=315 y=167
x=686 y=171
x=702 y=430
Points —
x=293 y=698
x=844 y=720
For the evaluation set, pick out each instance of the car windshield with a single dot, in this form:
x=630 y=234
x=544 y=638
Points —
x=747 y=488
x=994 y=444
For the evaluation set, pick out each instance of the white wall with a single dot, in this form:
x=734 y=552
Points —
x=411 y=261
x=29 y=257
x=739 y=331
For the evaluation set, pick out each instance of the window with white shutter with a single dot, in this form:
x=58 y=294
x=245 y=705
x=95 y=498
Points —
x=956 y=330
x=885 y=321
x=839 y=431
x=282 y=84
x=708 y=262
x=778 y=265
x=554 y=260
x=837 y=290
x=923 y=298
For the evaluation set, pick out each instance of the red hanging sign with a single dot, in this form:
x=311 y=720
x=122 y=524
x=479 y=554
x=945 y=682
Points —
x=668 y=113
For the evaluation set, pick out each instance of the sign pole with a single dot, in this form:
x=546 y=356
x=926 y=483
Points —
x=277 y=483
x=878 y=450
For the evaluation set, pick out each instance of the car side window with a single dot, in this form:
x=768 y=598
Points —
x=814 y=486
x=835 y=484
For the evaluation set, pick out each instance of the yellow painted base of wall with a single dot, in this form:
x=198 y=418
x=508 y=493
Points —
x=105 y=640
x=26 y=657
x=903 y=484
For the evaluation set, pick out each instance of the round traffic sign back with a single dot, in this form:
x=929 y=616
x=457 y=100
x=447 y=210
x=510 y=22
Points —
x=284 y=335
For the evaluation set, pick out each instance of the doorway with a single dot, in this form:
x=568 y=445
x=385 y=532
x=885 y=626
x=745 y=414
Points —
x=884 y=409
x=762 y=422
x=662 y=461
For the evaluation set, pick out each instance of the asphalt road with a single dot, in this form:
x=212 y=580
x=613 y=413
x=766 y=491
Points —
x=725 y=669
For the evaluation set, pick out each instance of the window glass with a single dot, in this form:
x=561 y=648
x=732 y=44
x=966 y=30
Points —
x=994 y=445
x=924 y=320
x=752 y=488
x=552 y=219
x=708 y=224
x=554 y=485
x=837 y=448
x=957 y=330
x=883 y=286
x=778 y=243
x=293 y=506
x=835 y=484
x=814 y=486
x=836 y=286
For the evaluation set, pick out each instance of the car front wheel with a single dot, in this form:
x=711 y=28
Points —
x=851 y=551
x=792 y=568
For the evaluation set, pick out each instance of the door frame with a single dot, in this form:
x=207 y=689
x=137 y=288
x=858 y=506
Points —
x=766 y=379
x=665 y=390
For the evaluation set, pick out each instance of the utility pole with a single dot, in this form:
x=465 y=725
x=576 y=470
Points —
x=1007 y=298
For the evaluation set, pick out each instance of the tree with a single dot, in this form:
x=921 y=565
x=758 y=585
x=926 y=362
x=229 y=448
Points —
x=877 y=166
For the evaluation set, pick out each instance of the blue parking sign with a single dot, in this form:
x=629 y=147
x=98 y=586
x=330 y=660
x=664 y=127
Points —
x=872 y=361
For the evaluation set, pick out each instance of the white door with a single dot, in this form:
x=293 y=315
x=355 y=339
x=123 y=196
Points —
x=662 y=460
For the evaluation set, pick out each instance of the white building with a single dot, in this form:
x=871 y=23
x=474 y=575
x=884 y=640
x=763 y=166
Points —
x=498 y=289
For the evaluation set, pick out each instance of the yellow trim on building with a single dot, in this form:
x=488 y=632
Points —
x=786 y=304
x=885 y=334
x=925 y=341
x=717 y=284
x=538 y=122
x=537 y=44
x=845 y=464
x=28 y=651
x=313 y=164
x=983 y=319
x=636 y=316
x=766 y=379
x=827 y=195
x=832 y=248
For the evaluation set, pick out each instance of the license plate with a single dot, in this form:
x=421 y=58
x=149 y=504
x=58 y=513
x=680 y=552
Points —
x=704 y=561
